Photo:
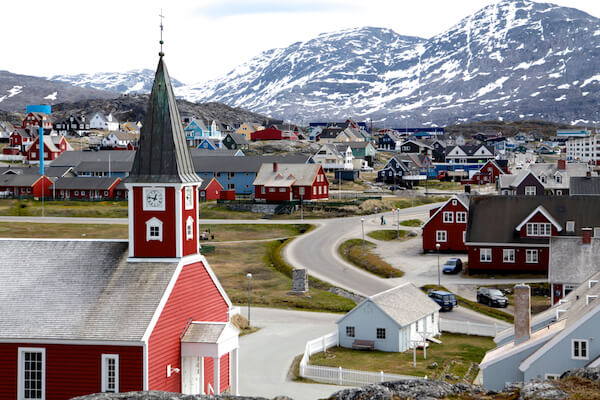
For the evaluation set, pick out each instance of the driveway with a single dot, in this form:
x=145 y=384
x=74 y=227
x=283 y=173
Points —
x=266 y=356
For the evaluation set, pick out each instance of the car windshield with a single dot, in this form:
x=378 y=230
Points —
x=451 y=262
x=495 y=292
x=448 y=297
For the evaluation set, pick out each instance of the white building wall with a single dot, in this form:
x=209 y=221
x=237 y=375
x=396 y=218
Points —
x=584 y=149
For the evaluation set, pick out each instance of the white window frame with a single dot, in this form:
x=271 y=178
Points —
x=189 y=198
x=551 y=376
x=508 y=255
x=570 y=226
x=485 y=255
x=104 y=384
x=529 y=190
x=531 y=256
x=453 y=202
x=21 y=372
x=350 y=331
x=301 y=190
x=281 y=190
x=441 y=236
x=579 y=356
x=597 y=232
x=189 y=228
x=154 y=223
x=448 y=217
x=271 y=190
x=461 y=216
x=539 y=229
x=263 y=190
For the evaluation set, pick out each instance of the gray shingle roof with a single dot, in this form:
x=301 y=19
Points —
x=48 y=171
x=85 y=183
x=18 y=180
x=405 y=303
x=89 y=292
x=73 y=158
x=242 y=164
x=287 y=175
x=103 y=166
x=505 y=213
x=572 y=262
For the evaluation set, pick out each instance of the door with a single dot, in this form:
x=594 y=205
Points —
x=192 y=375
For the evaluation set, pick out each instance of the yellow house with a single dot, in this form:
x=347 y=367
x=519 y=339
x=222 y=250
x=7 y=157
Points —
x=247 y=128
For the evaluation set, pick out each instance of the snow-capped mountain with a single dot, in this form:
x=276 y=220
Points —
x=18 y=90
x=134 y=81
x=515 y=59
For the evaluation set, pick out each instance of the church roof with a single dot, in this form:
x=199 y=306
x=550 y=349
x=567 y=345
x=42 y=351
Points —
x=90 y=293
x=163 y=155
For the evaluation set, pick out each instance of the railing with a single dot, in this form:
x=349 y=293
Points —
x=339 y=376
x=470 y=328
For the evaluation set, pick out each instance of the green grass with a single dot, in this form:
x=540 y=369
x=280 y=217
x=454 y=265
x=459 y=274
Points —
x=352 y=251
x=63 y=231
x=238 y=232
x=454 y=356
x=473 y=305
x=211 y=210
x=412 y=222
x=64 y=208
x=387 y=234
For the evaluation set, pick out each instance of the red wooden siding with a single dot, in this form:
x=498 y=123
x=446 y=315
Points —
x=224 y=372
x=154 y=248
x=319 y=190
x=73 y=370
x=194 y=296
x=538 y=217
x=209 y=376
x=189 y=246
x=454 y=230
x=497 y=263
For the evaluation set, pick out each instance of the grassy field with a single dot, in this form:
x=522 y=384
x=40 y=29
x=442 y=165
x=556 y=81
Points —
x=443 y=185
x=475 y=306
x=211 y=210
x=352 y=251
x=235 y=232
x=456 y=356
x=388 y=234
x=412 y=222
x=63 y=231
x=101 y=209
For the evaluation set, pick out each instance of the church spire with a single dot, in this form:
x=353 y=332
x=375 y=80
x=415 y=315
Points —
x=162 y=155
x=161 y=32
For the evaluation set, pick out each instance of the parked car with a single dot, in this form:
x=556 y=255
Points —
x=452 y=266
x=446 y=300
x=394 y=188
x=491 y=297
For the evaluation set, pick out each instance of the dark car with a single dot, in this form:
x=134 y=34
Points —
x=446 y=300
x=394 y=188
x=452 y=266
x=491 y=297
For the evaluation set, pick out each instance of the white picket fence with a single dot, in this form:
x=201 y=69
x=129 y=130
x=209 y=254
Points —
x=470 y=328
x=339 y=376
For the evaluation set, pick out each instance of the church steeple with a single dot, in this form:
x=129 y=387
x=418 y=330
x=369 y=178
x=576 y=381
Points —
x=162 y=155
x=163 y=186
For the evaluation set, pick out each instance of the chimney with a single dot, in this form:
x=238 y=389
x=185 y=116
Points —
x=562 y=165
x=522 y=313
x=274 y=167
x=586 y=235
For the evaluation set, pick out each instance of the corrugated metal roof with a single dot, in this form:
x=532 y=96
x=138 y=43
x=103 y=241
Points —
x=589 y=185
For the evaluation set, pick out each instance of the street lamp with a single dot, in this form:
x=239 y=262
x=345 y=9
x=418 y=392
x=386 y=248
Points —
x=362 y=222
x=398 y=220
x=437 y=246
x=249 y=276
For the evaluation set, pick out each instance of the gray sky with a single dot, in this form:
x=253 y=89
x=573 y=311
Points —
x=204 y=39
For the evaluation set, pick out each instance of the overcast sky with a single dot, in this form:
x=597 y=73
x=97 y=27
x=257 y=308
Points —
x=204 y=39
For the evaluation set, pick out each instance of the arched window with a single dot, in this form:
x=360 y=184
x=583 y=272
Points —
x=154 y=229
x=189 y=228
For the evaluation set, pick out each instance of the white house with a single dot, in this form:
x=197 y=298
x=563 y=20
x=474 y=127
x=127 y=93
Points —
x=99 y=121
x=120 y=139
x=334 y=157
x=395 y=320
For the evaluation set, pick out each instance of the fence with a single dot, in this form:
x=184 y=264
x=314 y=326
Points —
x=339 y=376
x=470 y=328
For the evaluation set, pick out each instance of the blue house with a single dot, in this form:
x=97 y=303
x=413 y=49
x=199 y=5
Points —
x=238 y=173
x=561 y=338
x=197 y=130
x=209 y=144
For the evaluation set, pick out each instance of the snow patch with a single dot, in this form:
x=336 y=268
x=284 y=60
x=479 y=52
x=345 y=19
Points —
x=534 y=94
x=51 y=96
x=561 y=98
x=592 y=79
x=491 y=87
x=15 y=91
x=565 y=86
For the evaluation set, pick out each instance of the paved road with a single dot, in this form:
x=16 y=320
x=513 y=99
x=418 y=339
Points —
x=266 y=356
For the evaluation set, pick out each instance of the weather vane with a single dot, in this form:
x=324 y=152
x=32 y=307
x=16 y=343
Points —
x=161 y=33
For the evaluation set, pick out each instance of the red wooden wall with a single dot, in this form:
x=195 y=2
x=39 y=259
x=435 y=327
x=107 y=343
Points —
x=154 y=248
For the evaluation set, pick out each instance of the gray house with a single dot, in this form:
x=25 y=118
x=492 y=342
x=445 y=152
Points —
x=394 y=320
x=560 y=339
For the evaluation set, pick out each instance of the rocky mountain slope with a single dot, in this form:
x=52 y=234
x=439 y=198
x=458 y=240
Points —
x=134 y=81
x=18 y=90
x=514 y=60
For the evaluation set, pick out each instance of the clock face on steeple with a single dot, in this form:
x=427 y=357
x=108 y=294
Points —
x=154 y=199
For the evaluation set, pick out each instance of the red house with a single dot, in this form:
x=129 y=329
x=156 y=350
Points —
x=33 y=120
x=270 y=133
x=85 y=188
x=277 y=182
x=446 y=225
x=512 y=233
x=210 y=190
x=21 y=137
x=13 y=185
x=54 y=146
x=118 y=316
x=488 y=173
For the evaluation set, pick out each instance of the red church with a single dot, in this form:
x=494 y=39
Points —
x=119 y=316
